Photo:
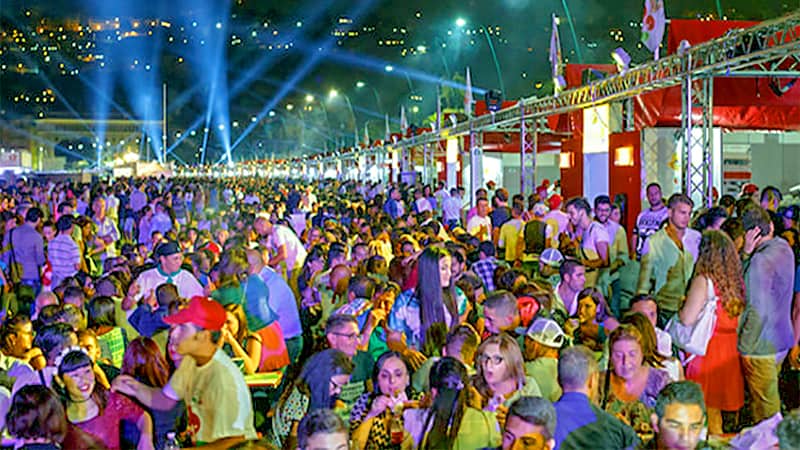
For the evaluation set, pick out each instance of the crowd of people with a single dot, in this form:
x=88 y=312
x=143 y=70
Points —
x=136 y=313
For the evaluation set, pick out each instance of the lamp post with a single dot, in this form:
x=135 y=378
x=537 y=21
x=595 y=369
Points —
x=361 y=84
x=332 y=95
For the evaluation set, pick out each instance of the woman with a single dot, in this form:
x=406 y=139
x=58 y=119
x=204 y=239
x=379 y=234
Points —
x=145 y=363
x=92 y=407
x=239 y=342
x=717 y=272
x=424 y=314
x=36 y=418
x=450 y=422
x=500 y=378
x=373 y=412
x=111 y=338
x=319 y=384
x=594 y=320
x=631 y=386
x=652 y=357
x=236 y=286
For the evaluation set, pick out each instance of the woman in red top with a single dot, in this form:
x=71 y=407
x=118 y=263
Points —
x=717 y=272
x=94 y=409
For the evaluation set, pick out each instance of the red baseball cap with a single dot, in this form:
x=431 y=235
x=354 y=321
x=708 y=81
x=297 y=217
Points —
x=202 y=312
x=554 y=201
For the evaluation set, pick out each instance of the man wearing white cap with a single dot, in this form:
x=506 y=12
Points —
x=549 y=262
x=542 y=341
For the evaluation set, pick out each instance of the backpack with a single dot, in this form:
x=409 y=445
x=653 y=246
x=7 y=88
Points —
x=535 y=236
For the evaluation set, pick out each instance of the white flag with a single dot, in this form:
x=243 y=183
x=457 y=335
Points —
x=438 y=124
x=366 y=134
x=468 y=96
x=388 y=131
x=403 y=122
x=555 y=58
x=653 y=25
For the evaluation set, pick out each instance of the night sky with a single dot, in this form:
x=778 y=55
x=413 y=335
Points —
x=320 y=44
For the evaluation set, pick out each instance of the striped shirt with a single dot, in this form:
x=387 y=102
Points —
x=64 y=256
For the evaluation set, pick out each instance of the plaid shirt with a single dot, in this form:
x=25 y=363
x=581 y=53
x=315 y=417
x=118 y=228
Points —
x=485 y=269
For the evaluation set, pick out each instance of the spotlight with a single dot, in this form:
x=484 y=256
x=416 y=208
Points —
x=622 y=59
x=334 y=93
x=460 y=22
x=360 y=84
x=389 y=68
x=309 y=98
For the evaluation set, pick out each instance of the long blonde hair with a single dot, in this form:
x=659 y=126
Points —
x=719 y=262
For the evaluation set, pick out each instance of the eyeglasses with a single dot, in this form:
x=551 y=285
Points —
x=348 y=336
x=496 y=360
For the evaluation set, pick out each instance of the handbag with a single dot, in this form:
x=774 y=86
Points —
x=694 y=339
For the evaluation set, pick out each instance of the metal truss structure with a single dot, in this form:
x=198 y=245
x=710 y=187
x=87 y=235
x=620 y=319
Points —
x=769 y=49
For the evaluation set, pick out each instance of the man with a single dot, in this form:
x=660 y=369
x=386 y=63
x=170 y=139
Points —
x=501 y=213
x=218 y=403
x=509 y=235
x=617 y=252
x=593 y=241
x=579 y=423
x=284 y=246
x=534 y=238
x=51 y=339
x=573 y=280
x=480 y=225
x=486 y=265
x=451 y=209
x=549 y=264
x=543 y=340
x=169 y=258
x=322 y=429
x=501 y=315
x=107 y=232
x=342 y=333
x=527 y=418
x=766 y=332
x=421 y=204
x=160 y=222
x=679 y=417
x=25 y=255
x=649 y=221
x=138 y=199
x=394 y=205
x=62 y=252
x=556 y=218
x=17 y=353
x=281 y=300
x=668 y=258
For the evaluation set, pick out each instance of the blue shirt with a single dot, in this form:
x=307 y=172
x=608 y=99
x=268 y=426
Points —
x=148 y=322
x=580 y=424
x=283 y=302
x=406 y=317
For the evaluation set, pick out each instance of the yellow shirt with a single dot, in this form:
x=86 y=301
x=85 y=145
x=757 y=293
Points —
x=509 y=237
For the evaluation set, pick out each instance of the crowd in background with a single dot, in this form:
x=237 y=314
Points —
x=141 y=313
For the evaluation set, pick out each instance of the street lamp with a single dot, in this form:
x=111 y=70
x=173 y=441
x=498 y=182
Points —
x=309 y=98
x=460 y=22
x=361 y=84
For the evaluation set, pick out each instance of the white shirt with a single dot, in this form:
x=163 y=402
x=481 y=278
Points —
x=474 y=226
x=149 y=280
x=423 y=205
x=451 y=208
x=107 y=228
x=295 y=252
x=217 y=398
x=594 y=235
x=647 y=223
